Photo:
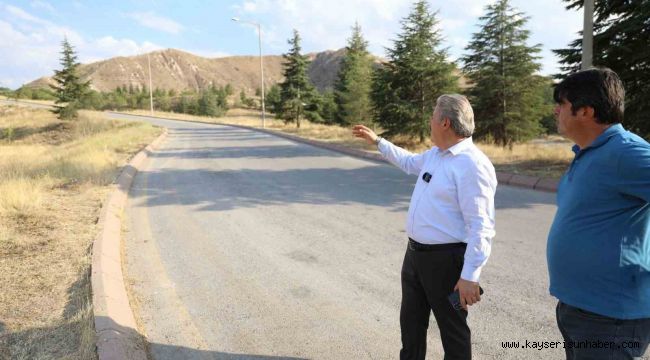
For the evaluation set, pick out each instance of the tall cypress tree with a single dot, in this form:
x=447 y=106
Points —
x=353 y=83
x=297 y=94
x=405 y=89
x=68 y=87
x=621 y=43
x=507 y=97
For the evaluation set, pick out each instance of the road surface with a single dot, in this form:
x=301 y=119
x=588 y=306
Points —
x=25 y=104
x=242 y=245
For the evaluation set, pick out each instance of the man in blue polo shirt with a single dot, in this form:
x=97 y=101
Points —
x=599 y=244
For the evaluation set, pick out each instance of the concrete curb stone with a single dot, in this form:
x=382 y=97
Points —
x=115 y=327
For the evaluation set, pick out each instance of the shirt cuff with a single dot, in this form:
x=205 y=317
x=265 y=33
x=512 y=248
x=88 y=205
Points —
x=380 y=146
x=470 y=274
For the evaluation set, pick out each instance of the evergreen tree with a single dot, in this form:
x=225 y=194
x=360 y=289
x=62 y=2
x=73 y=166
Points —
x=297 y=94
x=119 y=101
x=208 y=104
x=162 y=101
x=417 y=73
x=92 y=100
x=68 y=86
x=353 y=83
x=229 y=90
x=621 y=43
x=222 y=98
x=273 y=101
x=242 y=97
x=329 y=108
x=507 y=98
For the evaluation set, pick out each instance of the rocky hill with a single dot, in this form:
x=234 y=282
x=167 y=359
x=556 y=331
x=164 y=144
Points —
x=179 y=70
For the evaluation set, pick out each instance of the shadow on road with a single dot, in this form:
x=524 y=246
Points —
x=215 y=189
x=169 y=352
x=235 y=152
x=222 y=190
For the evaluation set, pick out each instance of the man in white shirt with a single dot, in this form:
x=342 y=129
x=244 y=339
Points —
x=450 y=226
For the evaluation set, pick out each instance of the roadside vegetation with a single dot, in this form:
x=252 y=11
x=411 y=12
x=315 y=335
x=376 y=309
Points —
x=54 y=176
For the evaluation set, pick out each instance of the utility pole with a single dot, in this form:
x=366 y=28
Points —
x=588 y=35
x=259 y=32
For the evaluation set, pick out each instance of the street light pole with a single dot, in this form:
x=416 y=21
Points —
x=588 y=35
x=259 y=32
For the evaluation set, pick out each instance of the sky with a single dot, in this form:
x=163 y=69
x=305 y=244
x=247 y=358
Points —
x=31 y=31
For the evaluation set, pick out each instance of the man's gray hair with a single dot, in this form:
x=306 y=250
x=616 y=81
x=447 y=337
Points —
x=457 y=109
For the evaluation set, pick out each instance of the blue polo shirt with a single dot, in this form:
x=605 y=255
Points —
x=598 y=249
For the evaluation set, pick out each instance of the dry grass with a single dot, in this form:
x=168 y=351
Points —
x=53 y=179
x=546 y=157
x=532 y=159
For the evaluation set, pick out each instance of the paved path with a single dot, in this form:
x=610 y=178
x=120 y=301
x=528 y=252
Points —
x=25 y=104
x=242 y=245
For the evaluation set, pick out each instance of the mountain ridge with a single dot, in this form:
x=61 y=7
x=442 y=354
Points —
x=181 y=70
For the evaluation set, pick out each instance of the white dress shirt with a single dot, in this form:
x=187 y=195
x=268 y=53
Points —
x=456 y=205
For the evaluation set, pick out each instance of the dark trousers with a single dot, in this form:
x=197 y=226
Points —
x=586 y=335
x=428 y=277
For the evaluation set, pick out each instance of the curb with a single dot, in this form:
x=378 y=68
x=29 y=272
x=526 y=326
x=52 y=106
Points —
x=522 y=181
x=115 y=327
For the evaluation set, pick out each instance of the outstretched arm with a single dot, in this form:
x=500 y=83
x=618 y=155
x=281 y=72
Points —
x=409 y=163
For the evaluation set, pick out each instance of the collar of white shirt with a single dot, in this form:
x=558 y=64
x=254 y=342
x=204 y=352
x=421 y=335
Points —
x=461 y=146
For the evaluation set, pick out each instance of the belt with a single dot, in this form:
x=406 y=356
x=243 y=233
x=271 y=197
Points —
x=416 y=246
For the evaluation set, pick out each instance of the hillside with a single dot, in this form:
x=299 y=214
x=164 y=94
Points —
x=179 y=70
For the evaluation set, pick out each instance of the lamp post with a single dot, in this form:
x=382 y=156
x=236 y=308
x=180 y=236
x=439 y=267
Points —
x=588 y=34
x=259 y=32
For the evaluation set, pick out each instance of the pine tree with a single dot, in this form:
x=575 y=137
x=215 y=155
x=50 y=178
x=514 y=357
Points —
x=68 y=87
x=621 y=43
x=208 y=104
x=406 y=88
x=273 y=100
x=329 y=108
x=506 y=95
x=242 y=97
x=353 y=83
x=297 y=94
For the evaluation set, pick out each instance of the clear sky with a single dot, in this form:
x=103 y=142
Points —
x=31 y=31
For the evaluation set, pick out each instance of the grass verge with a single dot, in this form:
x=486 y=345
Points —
x=548 y=157
x=54 y=176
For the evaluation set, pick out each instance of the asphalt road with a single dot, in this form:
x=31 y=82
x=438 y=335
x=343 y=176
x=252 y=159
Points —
x=242 y=245
x=25 y=104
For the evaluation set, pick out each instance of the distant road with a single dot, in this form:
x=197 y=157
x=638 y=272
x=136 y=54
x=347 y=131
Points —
x=25 y=103
x=242 y=245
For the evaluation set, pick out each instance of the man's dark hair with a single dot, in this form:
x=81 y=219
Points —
x=599 y=88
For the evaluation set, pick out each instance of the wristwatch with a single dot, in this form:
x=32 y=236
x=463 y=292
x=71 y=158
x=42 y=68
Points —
x=378 y=139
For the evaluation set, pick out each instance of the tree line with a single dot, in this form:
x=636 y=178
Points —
x=70 y=94
x=511 y=101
